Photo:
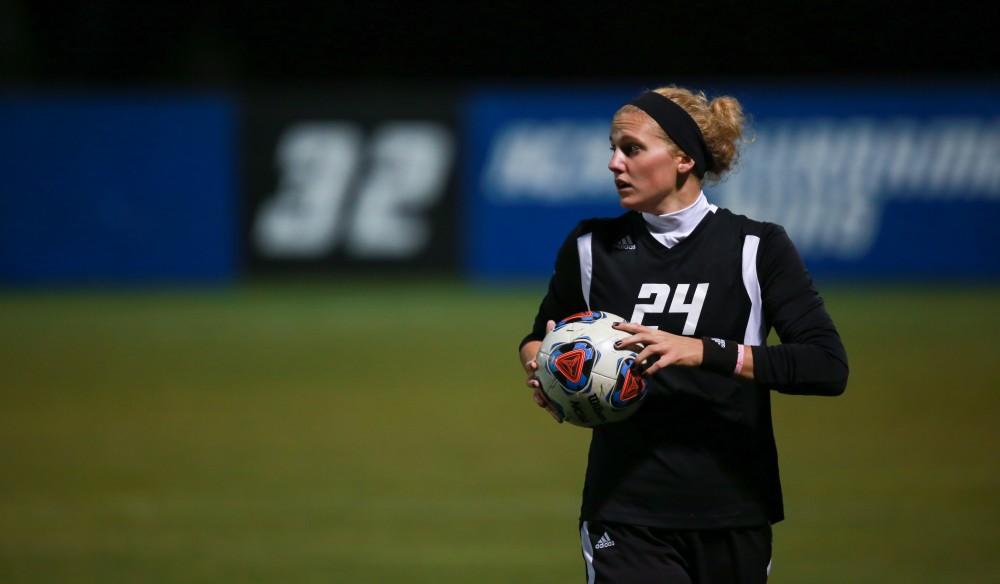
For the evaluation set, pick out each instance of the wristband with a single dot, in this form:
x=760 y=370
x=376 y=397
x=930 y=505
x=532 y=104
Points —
x=740 y=353
x=721 y=356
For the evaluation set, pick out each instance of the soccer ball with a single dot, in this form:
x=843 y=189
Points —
x=583 y=376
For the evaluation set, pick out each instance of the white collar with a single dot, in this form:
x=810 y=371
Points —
x=672 y=228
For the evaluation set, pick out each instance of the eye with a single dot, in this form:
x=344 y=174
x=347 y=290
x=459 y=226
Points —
x=629 y=149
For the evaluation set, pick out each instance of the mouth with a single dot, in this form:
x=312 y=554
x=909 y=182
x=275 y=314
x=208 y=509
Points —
x=621 y=184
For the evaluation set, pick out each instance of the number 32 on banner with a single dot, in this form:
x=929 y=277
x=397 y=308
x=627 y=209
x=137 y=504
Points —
x=396 y=175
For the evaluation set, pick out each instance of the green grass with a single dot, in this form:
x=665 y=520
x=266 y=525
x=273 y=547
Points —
x=380 y=432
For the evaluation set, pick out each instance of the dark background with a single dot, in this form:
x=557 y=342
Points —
x=224 y=42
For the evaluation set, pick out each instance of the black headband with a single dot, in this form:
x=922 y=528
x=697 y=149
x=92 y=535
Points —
x=680 y=126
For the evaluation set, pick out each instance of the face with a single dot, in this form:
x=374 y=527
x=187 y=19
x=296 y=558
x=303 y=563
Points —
x=647 y=170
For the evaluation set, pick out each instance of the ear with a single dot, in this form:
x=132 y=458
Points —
x=685 y=163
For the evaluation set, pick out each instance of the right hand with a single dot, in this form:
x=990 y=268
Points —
x=529 y=353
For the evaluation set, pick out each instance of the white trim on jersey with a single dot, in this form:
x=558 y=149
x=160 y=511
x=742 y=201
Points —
x=755 y=323
x=588 y=552
x=585 y=251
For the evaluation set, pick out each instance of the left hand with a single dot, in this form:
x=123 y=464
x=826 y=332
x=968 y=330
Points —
x=659 y=348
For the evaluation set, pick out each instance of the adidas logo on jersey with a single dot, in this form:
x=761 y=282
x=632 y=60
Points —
x=625 y=243
x=604 y=542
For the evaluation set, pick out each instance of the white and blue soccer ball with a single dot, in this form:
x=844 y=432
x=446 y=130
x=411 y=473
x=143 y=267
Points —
x=583 y=375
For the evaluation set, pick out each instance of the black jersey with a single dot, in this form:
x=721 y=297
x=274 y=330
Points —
x=700 y=452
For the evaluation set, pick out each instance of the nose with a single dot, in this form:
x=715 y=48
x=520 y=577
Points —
x=616 y=164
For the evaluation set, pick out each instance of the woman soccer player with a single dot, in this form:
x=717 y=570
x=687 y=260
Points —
x=686 y=490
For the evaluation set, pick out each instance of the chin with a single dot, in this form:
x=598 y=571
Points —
x=631 y=205
x=626 y=202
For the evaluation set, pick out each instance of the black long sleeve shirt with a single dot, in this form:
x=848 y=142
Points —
x=700 y=452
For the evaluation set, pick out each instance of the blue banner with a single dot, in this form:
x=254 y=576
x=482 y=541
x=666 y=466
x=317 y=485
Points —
x=893 y=181
x=117 y=188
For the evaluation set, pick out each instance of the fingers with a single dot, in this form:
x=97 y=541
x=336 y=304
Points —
x=629 y=327
x=646 y=366
x=549 y=326
x=632 y=343
x=543 y=402
x=652 y=350
x=647 y=355
x=667 y=351
x=639 y=335
x=535 y=384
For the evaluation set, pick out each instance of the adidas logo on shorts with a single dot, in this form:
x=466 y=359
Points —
x=604 y=542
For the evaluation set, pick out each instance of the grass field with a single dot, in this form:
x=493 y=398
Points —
x=379 y=432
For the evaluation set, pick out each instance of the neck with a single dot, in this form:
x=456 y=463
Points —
x=670 y=229
x=680 y=199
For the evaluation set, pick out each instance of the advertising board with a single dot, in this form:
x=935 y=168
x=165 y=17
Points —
x=347 y=180
x=869 y=181
x=123 y=188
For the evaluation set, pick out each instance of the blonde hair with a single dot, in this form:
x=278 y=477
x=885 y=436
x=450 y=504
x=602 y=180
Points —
x=721 y=121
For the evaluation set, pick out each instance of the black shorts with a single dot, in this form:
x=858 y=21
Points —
x=633 y=554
